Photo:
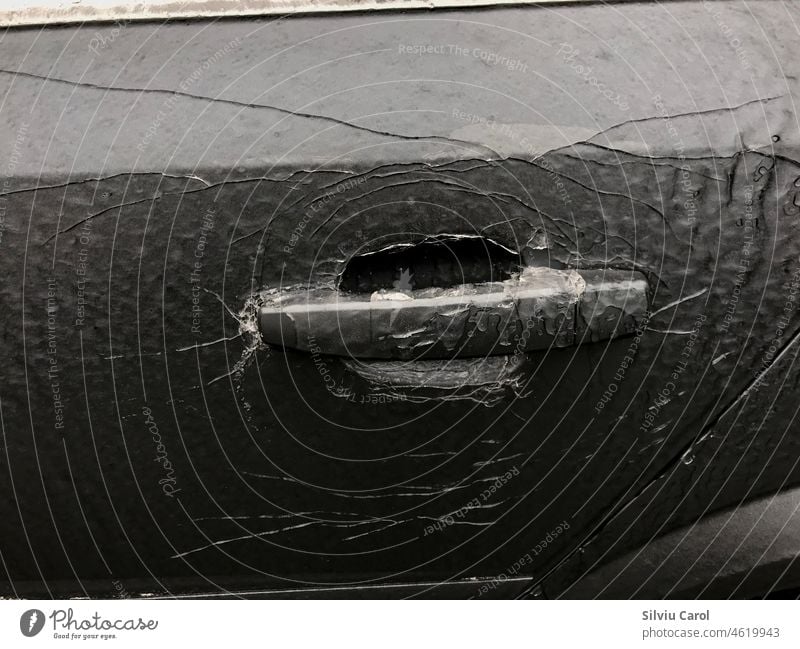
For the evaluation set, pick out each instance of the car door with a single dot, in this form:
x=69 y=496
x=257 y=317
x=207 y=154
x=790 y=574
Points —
x=169 y=185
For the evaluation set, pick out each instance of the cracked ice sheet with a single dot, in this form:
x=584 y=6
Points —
x=226 y=138
x=720 y=131
x=237 y=116
x=321 y=142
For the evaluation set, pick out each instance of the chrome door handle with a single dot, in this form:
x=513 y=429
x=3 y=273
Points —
x=537 y=309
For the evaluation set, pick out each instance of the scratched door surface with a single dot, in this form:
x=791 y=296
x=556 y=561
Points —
x=163 y=181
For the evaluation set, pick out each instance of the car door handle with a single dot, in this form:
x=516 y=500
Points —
x=537 y=309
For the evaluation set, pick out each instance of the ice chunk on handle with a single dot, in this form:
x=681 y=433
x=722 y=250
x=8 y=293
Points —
x=538 y=309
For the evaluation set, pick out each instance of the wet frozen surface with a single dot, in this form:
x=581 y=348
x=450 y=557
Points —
x=184 y=449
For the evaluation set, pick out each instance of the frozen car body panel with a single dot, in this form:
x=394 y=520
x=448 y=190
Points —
x=745 y=551
x=124 y=159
